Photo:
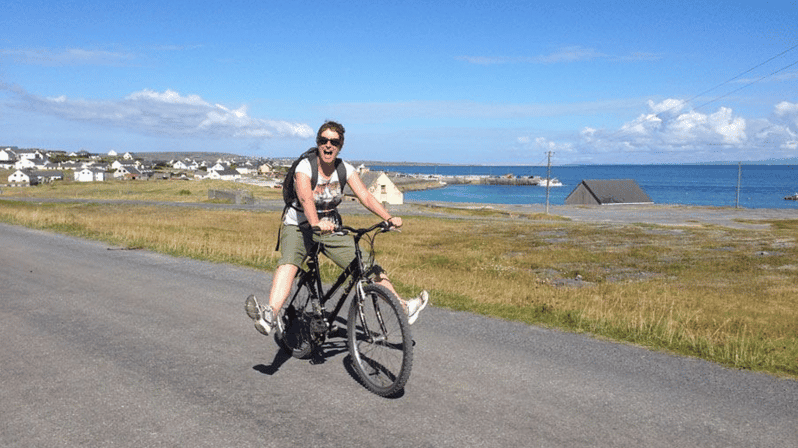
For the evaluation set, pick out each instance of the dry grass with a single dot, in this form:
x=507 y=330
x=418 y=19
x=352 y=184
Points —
x=725 y=295
x=173 y=190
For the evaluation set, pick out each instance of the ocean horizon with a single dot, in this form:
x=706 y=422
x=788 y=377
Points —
x=722 y=185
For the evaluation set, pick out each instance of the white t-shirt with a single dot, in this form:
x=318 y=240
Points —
x=327 y=195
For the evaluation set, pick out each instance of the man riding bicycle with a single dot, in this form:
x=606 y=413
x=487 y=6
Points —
x=317 y=208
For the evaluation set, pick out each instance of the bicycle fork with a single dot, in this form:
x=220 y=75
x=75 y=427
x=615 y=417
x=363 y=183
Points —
x=380 y=337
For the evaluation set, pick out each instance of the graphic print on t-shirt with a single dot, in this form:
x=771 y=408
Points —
x=327 y=197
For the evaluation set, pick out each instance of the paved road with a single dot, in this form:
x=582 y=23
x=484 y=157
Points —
x=104 y=347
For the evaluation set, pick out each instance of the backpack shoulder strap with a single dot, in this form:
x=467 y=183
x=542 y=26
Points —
x=341 y=168
x=313 y=158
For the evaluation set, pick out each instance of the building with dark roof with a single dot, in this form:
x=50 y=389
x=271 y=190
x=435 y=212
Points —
x=606 y=192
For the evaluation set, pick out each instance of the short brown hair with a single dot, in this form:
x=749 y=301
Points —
x=333 y=126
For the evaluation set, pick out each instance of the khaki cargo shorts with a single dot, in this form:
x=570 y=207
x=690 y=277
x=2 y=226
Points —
x=296 y=243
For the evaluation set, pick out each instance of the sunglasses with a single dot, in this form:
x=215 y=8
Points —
x=334 y=141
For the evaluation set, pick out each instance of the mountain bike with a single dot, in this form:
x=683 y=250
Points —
x=377 y=331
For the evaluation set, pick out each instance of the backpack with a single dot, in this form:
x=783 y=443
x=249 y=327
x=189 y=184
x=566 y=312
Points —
x=289 y=190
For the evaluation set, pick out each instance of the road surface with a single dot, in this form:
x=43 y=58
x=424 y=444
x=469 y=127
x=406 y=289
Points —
x=106 y=347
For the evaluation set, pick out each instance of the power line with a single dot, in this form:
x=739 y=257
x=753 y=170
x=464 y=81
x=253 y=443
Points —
x=745 y=72
x=620 y=131
x=746 y=85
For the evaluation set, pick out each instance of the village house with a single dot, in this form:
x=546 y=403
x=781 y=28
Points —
x=23 y=177
x=264 y=168
x=219 y=166
x=30 y=154
x=8 y=155
x=118 y=164
x=188 y=165
x=129 y=172
x=99 y=165
x=607 y=192
x=225 y=174
x=246 y=168
x=380 y=186
x=25 y=163
x=48 y=176
x=7 y=158
x=90 y=175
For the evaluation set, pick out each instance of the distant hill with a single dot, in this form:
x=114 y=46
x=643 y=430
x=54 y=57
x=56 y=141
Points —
x=193 y=155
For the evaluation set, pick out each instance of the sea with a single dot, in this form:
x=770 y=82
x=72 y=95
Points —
x=747 y=186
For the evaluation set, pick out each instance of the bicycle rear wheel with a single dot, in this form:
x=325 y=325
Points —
x=379 y=341
x=293 y=324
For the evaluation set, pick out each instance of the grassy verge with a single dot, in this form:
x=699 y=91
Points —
x=153 y=190
x=729 y=296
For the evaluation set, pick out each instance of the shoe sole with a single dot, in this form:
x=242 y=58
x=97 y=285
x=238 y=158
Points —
x=254 y=312
x=252 y=308
x=259 y=326
x=412 y=319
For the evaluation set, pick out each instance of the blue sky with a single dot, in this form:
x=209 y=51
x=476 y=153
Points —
x=438 y=81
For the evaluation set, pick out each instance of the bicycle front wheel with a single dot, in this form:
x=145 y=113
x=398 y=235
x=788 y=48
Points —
x=379 y=341
x=293 y=324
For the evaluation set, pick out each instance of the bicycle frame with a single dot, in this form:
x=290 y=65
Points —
x=312 y=277
x=377 y=331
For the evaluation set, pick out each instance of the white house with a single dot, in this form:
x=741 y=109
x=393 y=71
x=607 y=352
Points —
x=381 y=187
x=8 y=155
x=128 y=156
x=219 y=167
x=25 y=163
x=180 y=165
x=118 y=164
x=127 y=172
x=112 y=153
x=226 y=174
x=23 y=177
x=30 y=154
x=90 y=175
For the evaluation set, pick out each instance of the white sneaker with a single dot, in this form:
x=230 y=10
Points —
x=415 y=305
x=262 y=315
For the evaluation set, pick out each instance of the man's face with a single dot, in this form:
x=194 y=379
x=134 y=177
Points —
x=328 y=149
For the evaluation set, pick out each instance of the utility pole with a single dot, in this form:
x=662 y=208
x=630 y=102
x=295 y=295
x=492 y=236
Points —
x=548 y=183
x=739 y=177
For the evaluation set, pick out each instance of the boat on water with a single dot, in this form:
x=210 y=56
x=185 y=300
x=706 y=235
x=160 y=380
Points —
x=792 y=198
x=553 y=182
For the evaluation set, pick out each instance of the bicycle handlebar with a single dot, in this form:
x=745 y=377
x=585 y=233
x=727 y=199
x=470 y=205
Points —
x=385 y=226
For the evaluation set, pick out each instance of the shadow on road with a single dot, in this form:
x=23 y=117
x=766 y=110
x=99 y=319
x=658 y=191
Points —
x=320 y=356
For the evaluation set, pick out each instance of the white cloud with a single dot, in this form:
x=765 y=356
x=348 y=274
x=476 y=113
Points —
x=730 y=129
x=165 y=113
x=788 y=112
x=670 y=132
